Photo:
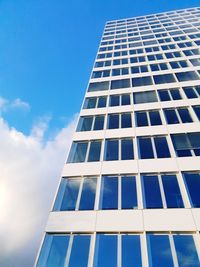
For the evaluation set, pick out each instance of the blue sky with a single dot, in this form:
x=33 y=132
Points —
x=47 y=50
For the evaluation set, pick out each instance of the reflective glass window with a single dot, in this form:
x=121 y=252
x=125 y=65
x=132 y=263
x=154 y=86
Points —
x=184 y=115
x=126 y=120
x=155 y=118
x=192 y=181
x=171 y=116
x=109 y=193
x=128 y=192
x=127 y=149
x=78 y=152
x=197 y=111
x=145 y=97
x=117 y=84
x=85 y=124
x=131 y=251
x=142 y=81
x=99 y=86
x=164 y=78
x=102 y=102
x=141 y=119
x=114 y=100
x=113 y=121
x=111 y=149
x=187 y=76
x=125 y=99
x=145 y=148
x=162 y=149
x=99 y=123
x=90 y=103
x=164 y=95
x=95 y=150
x=88 y=194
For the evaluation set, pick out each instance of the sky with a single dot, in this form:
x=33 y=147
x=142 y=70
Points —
x=47 y=50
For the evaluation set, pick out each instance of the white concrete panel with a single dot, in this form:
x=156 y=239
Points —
x=151 y=130
x=119 y=167
x=119 y=220
x=158 y=165
x=80 y=169
x=196 y=215
x=120 y=133
x=184 y=128
x=168 y=220
x=69 y=221
x=88 y=135
x=189 y=163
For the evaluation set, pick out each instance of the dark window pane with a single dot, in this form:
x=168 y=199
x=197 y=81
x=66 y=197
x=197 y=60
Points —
x=109 y=193
x=141 y=118
x=114 y=100
x=145 y=97
x=192 y=181
x=99 y=123
x=90 y=103
x=181 y=144
x=95 y=150
x=197 y=111
x=70 y=194
x=164 y=78
x=164 y=95
x=186 y=251
x=142 y=81
x=125 y=100
x=53 y=251
x=127 y=149
x=113 y=121
x=171 y=116
x=151 y=192
x=126 y=120
x=88 y=194
x=111 y=149
x=172 y=191
x=80 y=251
x=102 y=102
x=145 y=147
x=85 y=124
x=117 y=84
x=129 y=192
x=131 y=251
x=159 y=251
x=162 y=148
x=105 y=251
x=155 y=118
x=78 y=152
x=190 y=93
x=175 y=94
x=185 y=115
x=187 y=76
x=100 y=86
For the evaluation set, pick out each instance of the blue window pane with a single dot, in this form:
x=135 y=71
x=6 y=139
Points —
x=155 y=118
x=164 y=78
x=88 y=194
x=185 y=115
x=117 y=84
x=127 y=149
x=105 y=251
x=102 y=102
x=171 y=116
x=151 y=192
x=187 y=76
x=172 y=191
x=111 y=150
x=131 y=251
x=159 y=251
x=78 y=152
x=80 y=251
x=90 y=103
x=197 y=111
x=164 y=95
x=85 y=124
x=141 y=118
x=113 y=121
x=186 y=251
x=190 y=93
x=162 y=148
x=126 y=120
x=145 y=148
x=99 y=123
x=145 y=97
x=175 y=94
x=99 y=86
x=70 y=194
x=114 y=100
x=192 y=181
x=125 y=100
x=95 y=151
x=129 y=192
x=53 y=251
x=142 y=81
x=109 y=193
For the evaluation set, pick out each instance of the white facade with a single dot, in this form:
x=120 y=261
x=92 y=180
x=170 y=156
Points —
x=158 y=144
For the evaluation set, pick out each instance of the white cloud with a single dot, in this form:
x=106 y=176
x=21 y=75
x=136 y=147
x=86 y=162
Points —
x=17 y=103
x=29 y=175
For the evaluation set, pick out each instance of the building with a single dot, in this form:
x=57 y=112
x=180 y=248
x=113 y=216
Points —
x=130 y=190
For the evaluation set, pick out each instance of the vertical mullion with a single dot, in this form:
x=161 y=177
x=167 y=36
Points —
x=69 y=251
x=173 y=249
x=79 y=194
x=162 y=191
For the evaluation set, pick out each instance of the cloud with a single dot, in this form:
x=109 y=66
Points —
x=29 y=175
x=17 y=103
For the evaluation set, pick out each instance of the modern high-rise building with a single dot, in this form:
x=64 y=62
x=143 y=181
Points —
x=130 y=190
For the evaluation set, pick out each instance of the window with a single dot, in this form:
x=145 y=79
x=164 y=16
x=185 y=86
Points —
x=147 y=118
x=56 y=248
x=179 y=64
x=153 y=185
x=113 y=121
x=131 y=251
x=112 y=149
x=145 y=97
x=197 y=111
x=146 y=150
x=177 y=115
x=70 y=188
x=128 y=192
x=164 y=78
x=90 y=103
x=117 y=84
x=187 y=76
x=158 y=67
x=79 y=150
x=123 y=71
x=139 y=69
x=101 y=64
x=114 y=100
x=102 y=100
x=100 y=74
x=99 y=86
x=109 y=193
x=85 y=124
x=192 y=182
x=192 y=92
x=125 y=99
x=168 y=95
x=120 y=61
x=142 y=81
x=187 y=144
